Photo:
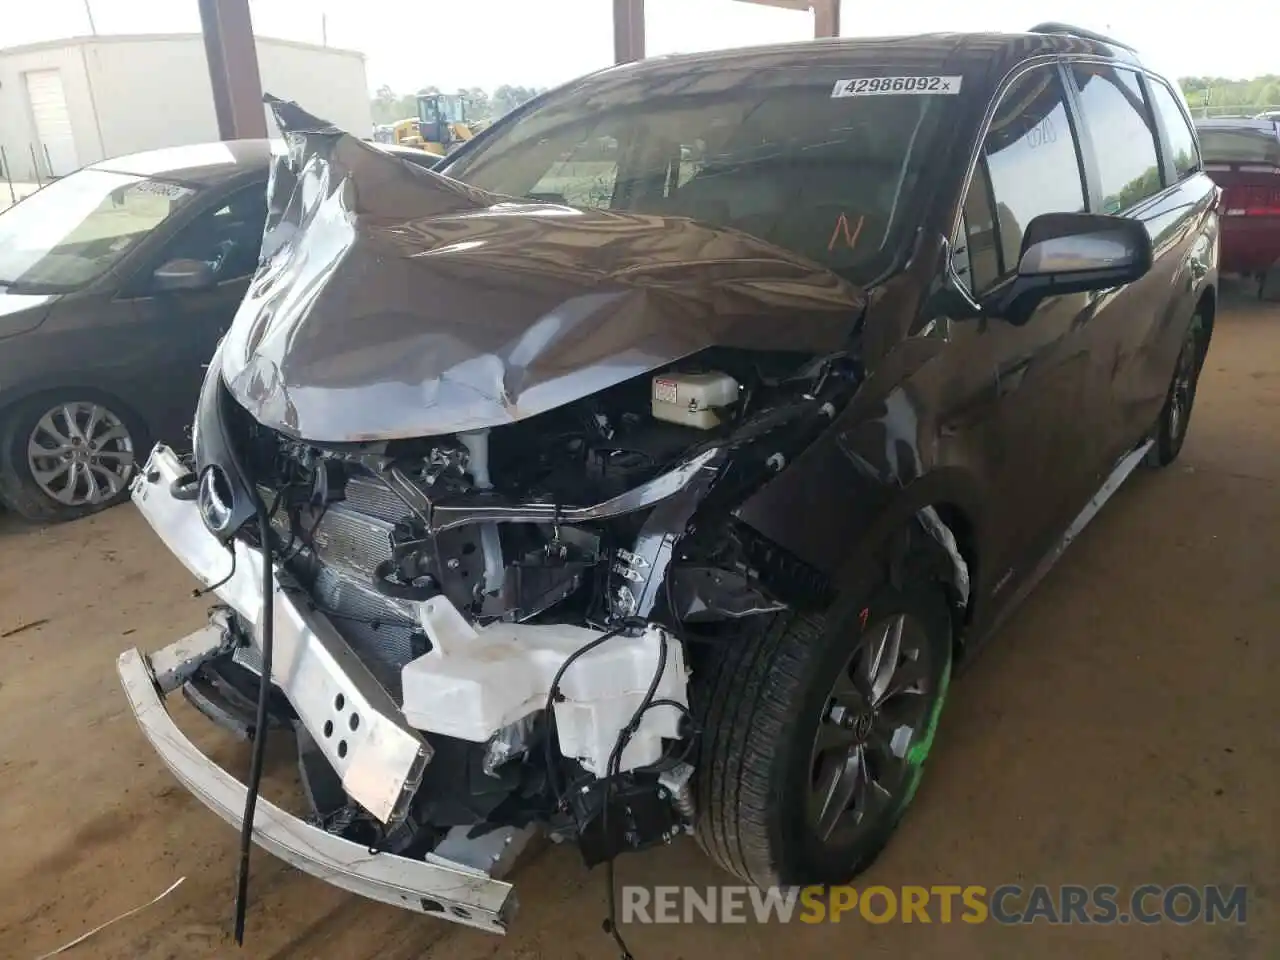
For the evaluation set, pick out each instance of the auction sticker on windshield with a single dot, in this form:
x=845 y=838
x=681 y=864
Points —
x=161 y=188
x=891 y=86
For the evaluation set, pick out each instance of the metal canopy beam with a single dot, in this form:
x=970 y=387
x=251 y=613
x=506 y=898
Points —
x=628 y=30
x=826 y=13
x=233 y=69
x=628 y=22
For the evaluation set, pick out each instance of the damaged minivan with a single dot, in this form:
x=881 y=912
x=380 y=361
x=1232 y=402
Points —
x=647 y=470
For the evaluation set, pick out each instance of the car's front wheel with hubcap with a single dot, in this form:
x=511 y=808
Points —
x=63 y=456
x=814 y=735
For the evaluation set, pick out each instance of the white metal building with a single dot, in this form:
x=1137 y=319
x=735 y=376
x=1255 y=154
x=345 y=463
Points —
x=67 y=103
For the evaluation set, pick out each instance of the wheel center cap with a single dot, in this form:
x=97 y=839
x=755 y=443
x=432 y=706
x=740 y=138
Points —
x=861 y=726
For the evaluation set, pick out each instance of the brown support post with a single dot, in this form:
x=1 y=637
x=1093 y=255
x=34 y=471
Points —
x=826 y=18
x=233 y=69
x=628 y=30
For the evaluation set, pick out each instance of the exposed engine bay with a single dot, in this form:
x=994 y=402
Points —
x=612 y=515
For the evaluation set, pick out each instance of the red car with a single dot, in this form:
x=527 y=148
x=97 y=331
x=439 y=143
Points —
x=1243 y=157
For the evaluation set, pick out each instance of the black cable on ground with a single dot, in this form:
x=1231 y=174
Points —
x=260 y=725
x=611 y=922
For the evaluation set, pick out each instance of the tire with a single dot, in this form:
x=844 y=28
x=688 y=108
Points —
x=1175 y=416
x=121 y=444
x=1269 y=285
x=762 y=703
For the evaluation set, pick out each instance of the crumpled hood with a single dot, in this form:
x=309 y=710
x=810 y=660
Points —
x=392 y=302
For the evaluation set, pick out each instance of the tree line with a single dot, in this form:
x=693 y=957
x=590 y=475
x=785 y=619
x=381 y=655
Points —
x=1259 y=92
x=389 y=106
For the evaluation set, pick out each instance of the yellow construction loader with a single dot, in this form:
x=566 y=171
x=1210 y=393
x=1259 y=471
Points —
x=440 y=127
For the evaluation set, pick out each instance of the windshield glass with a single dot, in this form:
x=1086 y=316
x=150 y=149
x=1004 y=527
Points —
x=1259 y=144
x=77 y=228
x=819 y=162
x=451 y=109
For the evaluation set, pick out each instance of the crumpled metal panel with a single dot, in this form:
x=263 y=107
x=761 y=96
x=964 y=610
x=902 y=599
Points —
x=392 y=302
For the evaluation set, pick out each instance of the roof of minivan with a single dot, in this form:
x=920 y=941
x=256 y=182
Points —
x=203 y=163
x=988 y=53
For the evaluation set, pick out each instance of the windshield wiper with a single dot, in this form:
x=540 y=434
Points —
x=26 y=286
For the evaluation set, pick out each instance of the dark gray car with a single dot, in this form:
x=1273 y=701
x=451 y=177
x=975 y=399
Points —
x=116 y=283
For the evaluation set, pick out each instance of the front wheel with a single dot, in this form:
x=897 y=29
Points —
x=814 y=736
x=63 y=456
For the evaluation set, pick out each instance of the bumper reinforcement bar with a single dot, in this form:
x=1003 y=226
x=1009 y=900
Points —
x=438 y=888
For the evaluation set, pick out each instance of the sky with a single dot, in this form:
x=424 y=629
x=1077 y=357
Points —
x=486 y=43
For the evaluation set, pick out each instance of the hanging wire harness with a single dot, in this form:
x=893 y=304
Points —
x=260 y=724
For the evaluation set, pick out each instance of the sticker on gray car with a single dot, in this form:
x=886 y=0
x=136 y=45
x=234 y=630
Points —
x=890 y=86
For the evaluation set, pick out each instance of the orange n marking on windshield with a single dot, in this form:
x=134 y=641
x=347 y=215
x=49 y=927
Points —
x=842 y=227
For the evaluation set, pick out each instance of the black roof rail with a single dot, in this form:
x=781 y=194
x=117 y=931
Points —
x=1066 y=28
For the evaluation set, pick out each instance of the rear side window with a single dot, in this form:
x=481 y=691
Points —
x=1029 y=165
x=1182 y=142
x=1124 y=140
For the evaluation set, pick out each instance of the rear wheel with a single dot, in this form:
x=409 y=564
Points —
x=815 y=732
x=1269 y=285
x=68 y=454
x=1175 y=417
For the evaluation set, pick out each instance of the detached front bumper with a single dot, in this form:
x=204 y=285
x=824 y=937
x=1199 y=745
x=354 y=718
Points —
x=379 y=758
x=450 y=891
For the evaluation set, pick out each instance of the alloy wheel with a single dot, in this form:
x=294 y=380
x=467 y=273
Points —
x=80 y=454
x=878 y=709
x=1184 y=385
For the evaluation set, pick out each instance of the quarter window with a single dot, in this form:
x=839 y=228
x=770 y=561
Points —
x=1124 y=140
x=1182 y=142
x=1029 y=166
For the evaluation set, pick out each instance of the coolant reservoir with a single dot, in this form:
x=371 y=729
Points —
x=693 y=399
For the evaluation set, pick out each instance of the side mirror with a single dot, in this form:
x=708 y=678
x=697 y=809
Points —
x=1065 y=253
x=183 y=275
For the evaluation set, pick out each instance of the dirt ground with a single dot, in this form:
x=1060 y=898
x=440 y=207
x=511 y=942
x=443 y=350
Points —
x=1122 y=729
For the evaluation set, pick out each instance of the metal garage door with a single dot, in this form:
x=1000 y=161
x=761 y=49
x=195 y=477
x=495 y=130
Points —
x=57 y=145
